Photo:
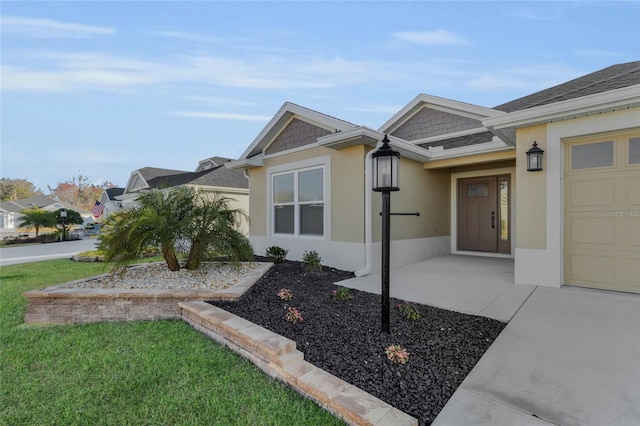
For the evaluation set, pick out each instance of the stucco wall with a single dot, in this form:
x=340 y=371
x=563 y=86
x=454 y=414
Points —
x=423 y=191
x=531 y=202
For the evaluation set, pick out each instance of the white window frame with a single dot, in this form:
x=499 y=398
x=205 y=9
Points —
x=323 y=163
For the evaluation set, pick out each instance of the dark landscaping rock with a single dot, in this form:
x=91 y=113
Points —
x=344 y=337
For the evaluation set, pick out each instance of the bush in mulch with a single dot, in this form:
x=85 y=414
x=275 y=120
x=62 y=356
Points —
x=344 y=337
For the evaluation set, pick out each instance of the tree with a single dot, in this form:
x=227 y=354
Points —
x=62 y=224
x=37 y=218
x=15 y=189
x=169 y=219
x=79 y=191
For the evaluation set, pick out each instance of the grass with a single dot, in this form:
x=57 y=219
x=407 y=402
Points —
x=133 y=373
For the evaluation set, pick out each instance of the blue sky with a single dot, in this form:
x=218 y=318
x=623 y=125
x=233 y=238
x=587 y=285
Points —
x=104 y=88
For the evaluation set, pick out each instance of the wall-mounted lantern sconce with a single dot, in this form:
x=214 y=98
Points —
x=534 y=158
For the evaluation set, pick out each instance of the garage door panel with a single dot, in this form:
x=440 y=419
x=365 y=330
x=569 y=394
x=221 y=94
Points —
x=633 y=190
x=632 y=234
x=591 y=230
x=592 y=192
x=587 y=268
x=602 y=217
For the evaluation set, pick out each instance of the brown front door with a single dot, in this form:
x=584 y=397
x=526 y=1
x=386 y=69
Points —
x=483 y=221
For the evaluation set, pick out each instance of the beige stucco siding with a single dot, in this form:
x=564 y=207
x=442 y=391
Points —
x=346 y=191
x=423 y=191
x=347 y=194
x=531 y=203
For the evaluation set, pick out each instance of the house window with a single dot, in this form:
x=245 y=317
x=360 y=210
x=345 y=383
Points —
x=298 y=202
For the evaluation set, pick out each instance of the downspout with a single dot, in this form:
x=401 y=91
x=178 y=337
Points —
x=367 y=214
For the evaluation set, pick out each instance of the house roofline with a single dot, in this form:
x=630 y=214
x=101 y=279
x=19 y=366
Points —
x=448 y=105
x=623 y=98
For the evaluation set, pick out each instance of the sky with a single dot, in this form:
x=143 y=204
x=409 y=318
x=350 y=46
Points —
x=100 y=89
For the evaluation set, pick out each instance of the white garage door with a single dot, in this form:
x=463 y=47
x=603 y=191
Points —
x=602 y=212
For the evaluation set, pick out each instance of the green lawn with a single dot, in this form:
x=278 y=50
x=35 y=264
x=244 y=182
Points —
x=147 y=373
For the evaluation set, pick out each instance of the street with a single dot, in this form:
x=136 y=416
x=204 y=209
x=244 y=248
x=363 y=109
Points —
x=35 y=252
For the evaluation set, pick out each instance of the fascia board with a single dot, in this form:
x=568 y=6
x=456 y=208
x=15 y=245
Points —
x=247 y=163
x=130 y=181
x=448 y=105
x=409 y=150
x=358 y=132
x=469 y=150
x=613 y=99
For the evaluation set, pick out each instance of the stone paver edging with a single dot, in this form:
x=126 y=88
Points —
x=278 y=357
x=57 y=305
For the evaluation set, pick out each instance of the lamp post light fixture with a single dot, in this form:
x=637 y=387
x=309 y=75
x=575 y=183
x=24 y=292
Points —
x=534 y=158
x=385 y=180
x=63 y=215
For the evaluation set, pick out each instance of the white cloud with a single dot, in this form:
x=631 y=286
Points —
x=432 y=38
x=525 y=79
x=187 y=36
x=549 y=14
x=48 y=28
x=221 y=116
x=219 y=100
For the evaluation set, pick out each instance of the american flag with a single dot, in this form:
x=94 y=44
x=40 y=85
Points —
x=98 y=208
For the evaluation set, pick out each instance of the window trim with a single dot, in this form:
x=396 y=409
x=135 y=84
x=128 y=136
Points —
x=323 y=163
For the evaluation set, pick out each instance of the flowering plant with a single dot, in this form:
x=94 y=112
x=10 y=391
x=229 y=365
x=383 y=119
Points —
x=285 y=294
x=409 y=311
x=341 y=294
x=293 y=315
x=397 y=354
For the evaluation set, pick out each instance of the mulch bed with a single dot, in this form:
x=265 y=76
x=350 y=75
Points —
x=344 y=337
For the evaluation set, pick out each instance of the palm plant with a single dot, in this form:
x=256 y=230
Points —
x=156 y=221
x=212 y=229
x=203 y=221
x=37 y=218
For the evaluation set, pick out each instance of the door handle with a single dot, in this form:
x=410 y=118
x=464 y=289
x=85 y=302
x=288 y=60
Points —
x=493 y=220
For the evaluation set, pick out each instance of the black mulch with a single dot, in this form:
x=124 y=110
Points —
x=345 y=338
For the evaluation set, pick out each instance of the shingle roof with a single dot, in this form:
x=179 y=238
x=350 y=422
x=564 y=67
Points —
x=112 y=193
x=460 y=141
x=220 y=176
x=610 y=78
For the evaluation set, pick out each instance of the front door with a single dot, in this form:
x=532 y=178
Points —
x=483 y=217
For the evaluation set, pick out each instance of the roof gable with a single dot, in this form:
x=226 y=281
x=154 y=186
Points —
x=287 y=113
x=428 y=115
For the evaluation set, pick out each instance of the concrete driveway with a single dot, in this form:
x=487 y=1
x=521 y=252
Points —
x=569 y=356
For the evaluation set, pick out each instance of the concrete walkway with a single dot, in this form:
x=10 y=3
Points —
x=570 y=356
x=473 y=285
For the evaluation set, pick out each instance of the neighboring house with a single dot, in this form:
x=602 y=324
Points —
x=110 y=202
x=463 y=167
x=211 y=176
x=11 y=211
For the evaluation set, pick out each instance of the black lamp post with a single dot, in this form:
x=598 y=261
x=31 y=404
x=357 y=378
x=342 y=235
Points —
x=63 y=215
x=534 y=158
x=385 y=179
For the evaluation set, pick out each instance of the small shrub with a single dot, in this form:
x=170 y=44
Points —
x=341 y=293
x=285 y=294
x=293 y=315
x=312 y=261
x=397 y=354
x=276 y=254
x=409 y=311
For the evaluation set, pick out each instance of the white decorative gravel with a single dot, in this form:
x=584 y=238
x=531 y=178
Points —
x=215 y=276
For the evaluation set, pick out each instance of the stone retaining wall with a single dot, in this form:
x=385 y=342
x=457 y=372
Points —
x=278 y=357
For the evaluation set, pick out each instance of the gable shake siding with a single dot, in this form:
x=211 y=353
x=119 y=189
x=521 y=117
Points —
x=298 y=133
x=430 y=122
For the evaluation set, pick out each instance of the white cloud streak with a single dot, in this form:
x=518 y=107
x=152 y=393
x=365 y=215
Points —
x=187 y=36
x=431 y=38
x=221 y=116
x=48 y=28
